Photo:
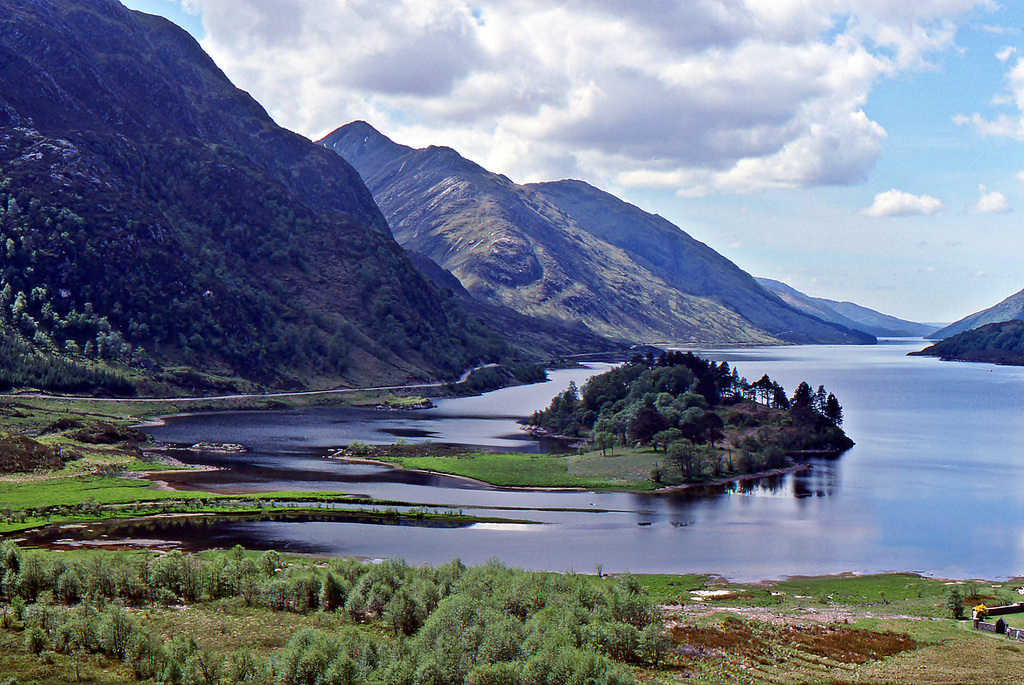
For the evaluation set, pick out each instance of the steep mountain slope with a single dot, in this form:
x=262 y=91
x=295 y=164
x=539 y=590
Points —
x=151 y=213
x=847 y=313
x=538 y=337
x=1010 y=308
x=551 y=251
x=684 y=263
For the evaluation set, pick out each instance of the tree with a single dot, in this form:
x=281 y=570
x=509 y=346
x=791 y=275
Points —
x=820 y=397
x=712 y=426
x=605 y=440
x=802 y=397
x=684 y=454
x=955 y=603
x=833 y=411
x=647 y=422
x=779 y=399
x=763 y=388
x=664 y=437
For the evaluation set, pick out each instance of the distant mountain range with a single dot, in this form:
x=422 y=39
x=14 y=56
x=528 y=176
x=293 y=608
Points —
x=849 y=314
x=153 y=216
x=569 y=253
x=1010 y=308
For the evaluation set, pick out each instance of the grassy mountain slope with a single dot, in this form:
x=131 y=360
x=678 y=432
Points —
x=509 y=246
x=538 y=337
x=1010 y=308
x=152 y=214
x=847 y=314
x=687 y=264
x=535 y=250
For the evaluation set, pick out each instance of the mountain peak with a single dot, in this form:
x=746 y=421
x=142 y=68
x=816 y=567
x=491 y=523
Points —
x=569 y=252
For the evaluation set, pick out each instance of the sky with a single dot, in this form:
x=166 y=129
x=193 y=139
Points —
x=861 y=150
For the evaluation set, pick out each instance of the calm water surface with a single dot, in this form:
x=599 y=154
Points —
x=933 y=485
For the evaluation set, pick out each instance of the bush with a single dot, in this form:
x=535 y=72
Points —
x=35 y=640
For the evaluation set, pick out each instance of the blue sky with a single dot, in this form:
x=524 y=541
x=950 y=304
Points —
x=863 y=150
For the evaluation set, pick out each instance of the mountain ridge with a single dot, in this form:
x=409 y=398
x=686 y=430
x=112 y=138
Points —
x=518 y=246
x=1000 y=342
x=849 y=314
x=1008 y=309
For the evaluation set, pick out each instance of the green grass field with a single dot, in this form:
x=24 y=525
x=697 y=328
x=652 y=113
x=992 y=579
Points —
x=519 y=470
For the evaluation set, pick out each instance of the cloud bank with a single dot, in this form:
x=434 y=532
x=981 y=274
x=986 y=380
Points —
x=702 y=97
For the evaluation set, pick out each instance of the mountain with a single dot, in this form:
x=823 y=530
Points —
x=848 y=314
x=153 y=215
x=1010 y=308
x=570 y=253
x=1001 y=342
x=537 y=337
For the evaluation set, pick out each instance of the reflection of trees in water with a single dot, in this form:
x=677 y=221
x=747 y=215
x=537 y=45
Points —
x=821 y=480
x=772 y=485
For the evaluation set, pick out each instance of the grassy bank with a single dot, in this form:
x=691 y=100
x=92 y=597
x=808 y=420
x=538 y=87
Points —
x=635 y=469
x=890 y=628
x=495 y=468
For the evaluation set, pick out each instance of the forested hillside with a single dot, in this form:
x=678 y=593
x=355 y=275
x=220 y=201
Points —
x=995 y=343
x=153 y=217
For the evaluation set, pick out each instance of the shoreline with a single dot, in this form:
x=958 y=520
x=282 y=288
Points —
x=484 y=485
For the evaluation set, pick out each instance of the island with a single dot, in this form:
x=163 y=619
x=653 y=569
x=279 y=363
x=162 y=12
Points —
x=707 y=420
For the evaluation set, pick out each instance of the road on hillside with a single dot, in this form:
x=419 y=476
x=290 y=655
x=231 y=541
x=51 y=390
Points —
x=244 y=396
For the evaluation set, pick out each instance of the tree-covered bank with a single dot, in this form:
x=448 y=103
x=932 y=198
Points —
x=706 y=418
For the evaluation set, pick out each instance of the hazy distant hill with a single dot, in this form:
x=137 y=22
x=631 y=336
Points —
x=568 y=252
x=848 y=314
x=996 y=343
x=1010 y=308
x=151 y=213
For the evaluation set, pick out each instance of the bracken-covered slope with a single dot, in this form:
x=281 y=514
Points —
x=848 y=314
x=151 y=213
x=569 y=252
x=1010 y=308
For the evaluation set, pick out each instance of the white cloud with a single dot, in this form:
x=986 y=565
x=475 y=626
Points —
x=1006 y=53
x=898 y=203
x=990 y=203
x=1020 y=176
x=705 y=96
x=1004 y=125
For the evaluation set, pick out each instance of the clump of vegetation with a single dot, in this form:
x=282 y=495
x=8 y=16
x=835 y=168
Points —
x=19 y=453
x=688 y=407
x=389 y=622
